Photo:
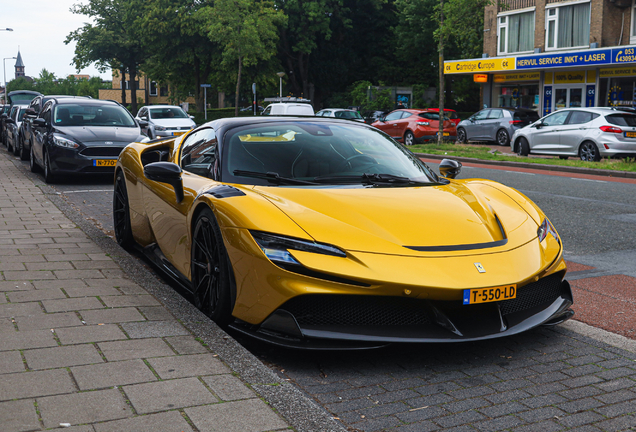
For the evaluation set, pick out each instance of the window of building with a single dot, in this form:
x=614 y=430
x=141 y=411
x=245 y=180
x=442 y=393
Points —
x=153 y=88
x=127 y=84
x=568 y=26
x=163 y=90
x=516 y=32
x=516 y=95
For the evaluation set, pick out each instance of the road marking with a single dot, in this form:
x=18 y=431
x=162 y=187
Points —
x=589 y=180
x=83 y=191
x=519 y=172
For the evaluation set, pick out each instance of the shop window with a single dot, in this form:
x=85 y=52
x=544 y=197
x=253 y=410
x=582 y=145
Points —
x=568 y=26
x=517 y=95
x=153 y=88
x=516 y=33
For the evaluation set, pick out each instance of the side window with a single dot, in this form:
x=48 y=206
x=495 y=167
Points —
x=46 y=113
x=199 y=151
x=267 y=111
x=580 y=117
x=142 y=113
x=406 y=114
x=482 y=115
x=556 y=119
x=495 y=114
x=395 y=115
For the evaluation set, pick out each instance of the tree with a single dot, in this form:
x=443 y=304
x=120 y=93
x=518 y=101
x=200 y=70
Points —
x=246 y=30
x=114 y=40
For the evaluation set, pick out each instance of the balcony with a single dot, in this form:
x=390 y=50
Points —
x=509 y=5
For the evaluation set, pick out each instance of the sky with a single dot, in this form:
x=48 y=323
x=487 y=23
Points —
x=39 y=30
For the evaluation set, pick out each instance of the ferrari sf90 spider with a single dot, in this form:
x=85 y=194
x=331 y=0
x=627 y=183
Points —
x=322 y=232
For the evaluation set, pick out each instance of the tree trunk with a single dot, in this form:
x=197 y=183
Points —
x=123 y=85
x=133 y=88
x=440 y=133
x=238 y=85
x=197 y=82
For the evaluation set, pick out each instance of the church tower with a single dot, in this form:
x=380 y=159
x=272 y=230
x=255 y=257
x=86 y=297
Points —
x=19 y=66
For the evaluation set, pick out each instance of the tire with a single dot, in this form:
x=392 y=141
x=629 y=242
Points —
x=24 y=155
x=503 y=139
x=121 y=213
x=32 y=163
x=210 y=269
x=16 y=147
x=409 y=138
x=589 y=152
x=524 y=147
x=49 y=177
x=461 y=136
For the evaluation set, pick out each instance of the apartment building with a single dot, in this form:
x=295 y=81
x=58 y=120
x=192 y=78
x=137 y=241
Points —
x=551 y=54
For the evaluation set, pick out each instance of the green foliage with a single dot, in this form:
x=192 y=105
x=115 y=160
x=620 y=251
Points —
x=463 y=26
x=48 y=84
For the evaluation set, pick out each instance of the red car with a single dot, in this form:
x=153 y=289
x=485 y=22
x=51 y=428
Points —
x=451 y=114
x=415 y=126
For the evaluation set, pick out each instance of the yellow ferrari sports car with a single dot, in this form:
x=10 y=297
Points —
x=325 y=233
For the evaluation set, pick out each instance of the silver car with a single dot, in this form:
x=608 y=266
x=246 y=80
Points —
x=341 y=113
x=589 y=133
x=164 y=120
x=494 y=124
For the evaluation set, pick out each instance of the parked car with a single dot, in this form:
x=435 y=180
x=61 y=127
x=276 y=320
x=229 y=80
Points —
x=80 y=136
x=13 y=127
x=494 y=124
x=164 y=120
x=289 y=108
x=589 y=133
x=251 y=109
x=26 y=127
x=342 y=113
x=451 y=114
x=14 y=97
x=371 y=117
x=414 y=126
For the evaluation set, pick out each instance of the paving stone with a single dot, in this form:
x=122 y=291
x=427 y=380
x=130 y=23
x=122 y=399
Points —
x=78 y=274
x=130 y=300
x=616 y=373
x=256 y=416
x=6 y=324
x=623 y=423
x=97 y=406
x=541 y=414
x=544 y=426
x=72 y=304
x=112 y=315
x=466 y=417
x=581 y=392
x=430 y=400
x=19 y=416
x=377 y=424
x=375 y=392
x=27 y=275
x=27 y=339
x=156 y=313
x=186 y=345
x=187 y=366
x=10 y=362
x=36 y=295
x=167 y=395
x=580 y=419
x=162 y=422
x=135 y=349
x=228 y=387
x=59 y=265
x=67 y=257
x=15 y=286
x=503 y=409
x=542 y=401
x=31 y=384
x=19 y=309
x=148 y=329
x=48 y=358
x=93 y=333
x=342 y=407
x=618 y=409
x=508 y=396
x=85 y=291
x=501 y=423
x=112 y=374
x=466 y=404
x=617 y=384
x=618 y=396
x=48 y=321
x=95 y=265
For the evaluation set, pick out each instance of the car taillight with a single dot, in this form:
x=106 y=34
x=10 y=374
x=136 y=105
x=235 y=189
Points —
x=422 y=123
x=611 y=129
x=515 y=122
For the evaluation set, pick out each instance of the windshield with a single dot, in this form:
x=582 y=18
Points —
x=348 y=114
x=622 y=119
x=21 y=113
x=317 y=152
x=78 y=114
x=167 y=113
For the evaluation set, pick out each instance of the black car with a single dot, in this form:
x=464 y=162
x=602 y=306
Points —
x=26 y=127
x=73 y=135
x=16 y=114
x=15 y=97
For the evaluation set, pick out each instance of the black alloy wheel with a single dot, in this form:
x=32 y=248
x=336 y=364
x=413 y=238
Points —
x=409 y=138
x=589 y=152
x=32 y=163
x=503 y=139
x=121 y=213
x=461 y=136
x=49 y=177
x=523 y=148
x=210 y=269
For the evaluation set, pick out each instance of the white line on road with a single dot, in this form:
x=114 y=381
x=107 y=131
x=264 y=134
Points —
x=590 y=180
x=82 y=191
x=519 y=172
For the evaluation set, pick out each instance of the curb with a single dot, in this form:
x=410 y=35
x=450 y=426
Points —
x=537 y=166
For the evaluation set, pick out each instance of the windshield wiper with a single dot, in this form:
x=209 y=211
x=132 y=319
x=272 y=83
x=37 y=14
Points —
x=373 y=179
x=272 y=177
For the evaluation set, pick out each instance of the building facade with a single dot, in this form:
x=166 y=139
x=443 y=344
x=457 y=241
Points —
x=148 y=92
x=551 y=54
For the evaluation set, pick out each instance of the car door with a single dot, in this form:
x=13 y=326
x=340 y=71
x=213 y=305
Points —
x=574 y=131
x=402 y=124
x=39 y=133
x=545 y=136
x=142 y=115
x=475 y=128
x=491 y=124
x=388 y=125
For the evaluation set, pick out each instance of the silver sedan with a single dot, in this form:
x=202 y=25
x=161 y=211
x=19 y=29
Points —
x=587 y=133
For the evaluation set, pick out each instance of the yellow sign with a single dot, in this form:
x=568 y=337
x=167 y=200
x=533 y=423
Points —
x=617 y=72
x=547 y=78
x=480 y=78
x=569 y=77
x=591 y=76
x=482 y=65
x=528 y=76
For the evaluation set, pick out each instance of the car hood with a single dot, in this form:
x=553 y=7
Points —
x=459 y=218
x=100 y=134
x=183 y=122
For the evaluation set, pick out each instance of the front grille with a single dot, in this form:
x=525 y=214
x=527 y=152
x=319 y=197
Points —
x=543 y=291
x=101 y=151
x=348 y=310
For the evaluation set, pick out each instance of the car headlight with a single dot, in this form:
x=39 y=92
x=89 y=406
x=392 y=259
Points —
x=546 y=228
x=63 y=142
x=160 y=128
x=275 y=247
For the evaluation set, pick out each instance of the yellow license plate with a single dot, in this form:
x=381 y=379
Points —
x=178 y=133
x=630 y=134
x=105 y=162
x=486 y=295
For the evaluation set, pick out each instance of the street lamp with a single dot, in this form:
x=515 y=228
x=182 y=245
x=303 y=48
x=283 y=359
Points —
x=280 y=75
x=5 y=72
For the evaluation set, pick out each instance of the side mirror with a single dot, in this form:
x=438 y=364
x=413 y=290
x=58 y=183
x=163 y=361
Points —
x=166 y=172
x=538 y=125
x=144 y=118
x=471 y=119
x=191 y=116
x=143 y=124
x=450 y=168
x=40 y=122
x=30 y=112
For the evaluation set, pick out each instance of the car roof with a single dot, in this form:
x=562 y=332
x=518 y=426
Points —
x=230 y=122
x=88 y=101
x=160 y=106
x=337 y=109
x=599 y=110
x=437 y=109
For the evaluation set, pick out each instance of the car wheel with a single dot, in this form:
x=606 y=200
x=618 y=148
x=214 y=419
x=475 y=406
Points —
x=523 y=148
x=49 y=177
x=16 y=147
x=210 y=269
x=563 y=157
x=32 y=163
x=24 y=155
x=589 y=152
x=409 y=139
x=121 y=213
x=461 y=136
x=503 y=139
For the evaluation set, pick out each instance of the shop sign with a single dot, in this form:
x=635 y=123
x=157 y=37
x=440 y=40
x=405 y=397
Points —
x=547 y=99
x=589 y=95
x=528 y=76
x=569 y=77
x=481 y=65
x=480 y=78
x=618 y=72
x=588 y=58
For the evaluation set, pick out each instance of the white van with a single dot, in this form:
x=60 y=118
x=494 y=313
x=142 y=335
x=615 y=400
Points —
x=287 y=108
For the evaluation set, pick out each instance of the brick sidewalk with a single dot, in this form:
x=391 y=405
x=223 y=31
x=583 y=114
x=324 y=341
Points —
x=81 y=344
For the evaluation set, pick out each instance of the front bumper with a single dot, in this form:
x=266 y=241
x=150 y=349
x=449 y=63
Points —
x=85 y=160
